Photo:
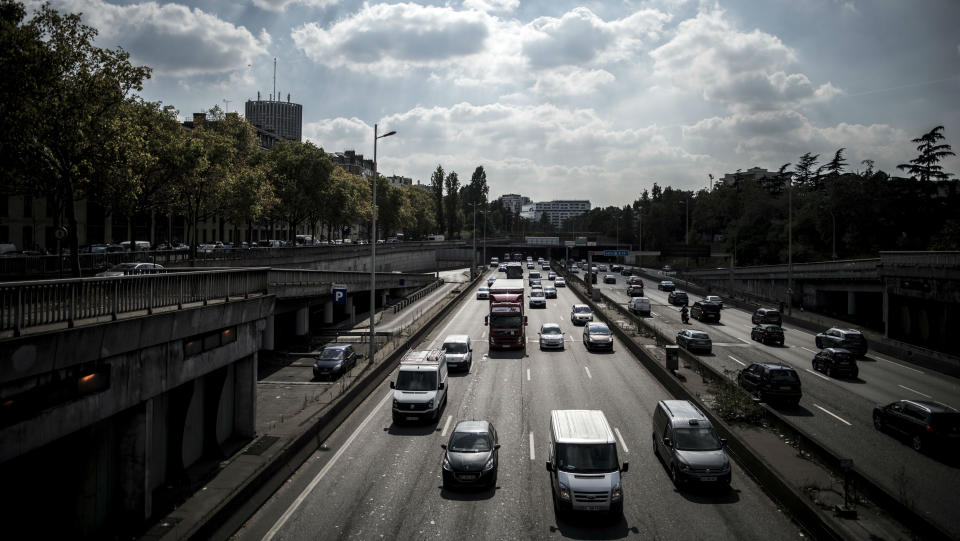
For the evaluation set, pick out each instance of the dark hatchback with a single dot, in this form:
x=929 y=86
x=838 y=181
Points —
x=836 y=361
x=678 y=298
x=705 y=311
x=471 y=456
x=926 y=424
x=635 y=291
x=335 y=360
x=771 y=382
x=767 y=334
x=767 y=315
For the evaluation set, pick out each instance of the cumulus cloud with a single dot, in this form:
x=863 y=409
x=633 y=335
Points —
x=572 y=82
x=492 y=5
x=172 y=39
x=279 y=6
x=707 y=55
x=575 y=152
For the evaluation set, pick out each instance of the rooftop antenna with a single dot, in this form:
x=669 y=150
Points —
x=275 y=78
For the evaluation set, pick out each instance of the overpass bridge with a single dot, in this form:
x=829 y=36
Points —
x=112 y=388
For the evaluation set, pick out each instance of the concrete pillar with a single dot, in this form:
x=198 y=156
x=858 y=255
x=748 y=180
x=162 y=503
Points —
x=851 y=302
x=886 y=312
x=191 y=448
x=383 y=299
x=268 y=334
x=136 y=448
x=351 y=310
x=328 y=312
x=245 y=396
x=302 y=321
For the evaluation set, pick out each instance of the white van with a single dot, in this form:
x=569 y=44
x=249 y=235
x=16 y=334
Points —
x=585 y=471
x=458 y=351
x=639 y=306
x=420 y=391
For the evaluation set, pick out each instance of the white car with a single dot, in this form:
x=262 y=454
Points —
x=580 y=314
x=126 y=269
x=483 y=292
x=551 y=336
x=560 y=282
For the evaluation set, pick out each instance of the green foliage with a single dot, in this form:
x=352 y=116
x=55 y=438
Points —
x=436 y=186
x=451 y=206
x=927 y=166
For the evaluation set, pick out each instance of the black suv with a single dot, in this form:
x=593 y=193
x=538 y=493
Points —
x=771 y=382
x=767 y=315
x=705 y=311
x=927 y=424
x=766 y=333
x=851 y=340
x=678 y=298
x=833 y=361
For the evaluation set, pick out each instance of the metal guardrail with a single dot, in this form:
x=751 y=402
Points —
x=25 y=305
x=862 y=268
x=407 y=301
x=304 y=277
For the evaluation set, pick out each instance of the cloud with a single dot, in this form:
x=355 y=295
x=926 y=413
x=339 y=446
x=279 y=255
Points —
x=554 y=152
x=280 y=6
x=744 y=70
x=172 y=39
x=572 y=82
x=492 y=5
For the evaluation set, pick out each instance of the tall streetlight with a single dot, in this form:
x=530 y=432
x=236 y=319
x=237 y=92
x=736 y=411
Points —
x=473 y=264
x=373 y=248
x=789 y=245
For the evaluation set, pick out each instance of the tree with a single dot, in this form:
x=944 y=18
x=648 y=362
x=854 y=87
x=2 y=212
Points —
x=452 y=184
x=835 y=166
x=804 y=173
x=300 y=176
x=927 y=166
x=436 y=185
x=60 y=100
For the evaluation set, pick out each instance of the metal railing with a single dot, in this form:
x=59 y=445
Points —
x=406 y=301
x=25 y=305
x=861 y=268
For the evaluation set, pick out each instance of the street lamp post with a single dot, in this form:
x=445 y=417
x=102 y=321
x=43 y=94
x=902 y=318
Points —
x=789 y=246
x=373 y=248
x=473 y=259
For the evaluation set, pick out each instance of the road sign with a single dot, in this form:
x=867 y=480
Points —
x=339 y=293
x=616 y=253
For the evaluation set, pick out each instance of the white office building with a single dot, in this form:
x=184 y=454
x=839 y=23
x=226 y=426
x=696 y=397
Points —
x=556 y=211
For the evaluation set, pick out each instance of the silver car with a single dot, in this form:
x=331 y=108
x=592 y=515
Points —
x=580 y=314
x=690 y=339
x=597 y=336
x=483 y=293
x=551 y=336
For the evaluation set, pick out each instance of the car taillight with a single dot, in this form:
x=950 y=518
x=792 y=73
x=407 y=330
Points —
x=929 y=428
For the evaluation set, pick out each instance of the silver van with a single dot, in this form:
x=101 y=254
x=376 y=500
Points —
x=639 y=306
x=420 y=391
x=458 y=351
x=689 y=447
x=585 y=471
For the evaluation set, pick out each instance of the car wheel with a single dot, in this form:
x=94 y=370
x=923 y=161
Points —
x=493 y=481
x=819 y=343
x=780 y=343
x=854 y=374
x=877 y=422
x=656 y=452
x=916 y=442
x=675 y=476
x=829 y=371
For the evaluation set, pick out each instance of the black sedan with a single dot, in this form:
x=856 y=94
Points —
x=609 y=279
x=471 y=456
x=335 y=361
x=767 y=334
x=926 y=424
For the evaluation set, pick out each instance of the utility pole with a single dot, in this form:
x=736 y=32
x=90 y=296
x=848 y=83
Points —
x=790 y=246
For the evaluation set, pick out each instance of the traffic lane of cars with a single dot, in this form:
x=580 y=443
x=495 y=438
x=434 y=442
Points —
x=617 y=384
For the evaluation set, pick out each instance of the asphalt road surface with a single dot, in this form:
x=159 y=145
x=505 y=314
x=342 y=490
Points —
x=837 y=411
x=373 y=480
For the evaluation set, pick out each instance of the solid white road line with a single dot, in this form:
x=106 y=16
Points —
x=588 y=372
x=736 y=360
x=818 y=374
x=744 y=341
x=619 y=437
x=914 y=391
x=316 y=480
x=533 y=456
x=834 y=415
x=446 y=426
x=528 y=374
x=810 y=350
x=900 y=365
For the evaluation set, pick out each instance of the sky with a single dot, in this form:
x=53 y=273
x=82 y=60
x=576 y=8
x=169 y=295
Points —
x=565 y=100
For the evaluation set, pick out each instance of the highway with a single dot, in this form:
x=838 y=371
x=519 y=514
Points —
x=837 y=411
x=372 y=479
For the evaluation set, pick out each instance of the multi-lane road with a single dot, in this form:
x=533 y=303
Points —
x=838 y=412
x=372 y=479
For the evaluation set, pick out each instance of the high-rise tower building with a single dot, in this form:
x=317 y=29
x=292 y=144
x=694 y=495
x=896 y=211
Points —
x=275 y=120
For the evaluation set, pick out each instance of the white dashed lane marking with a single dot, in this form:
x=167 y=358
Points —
x=834 y=415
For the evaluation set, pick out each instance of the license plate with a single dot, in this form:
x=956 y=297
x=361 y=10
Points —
x=786 y=388
x=592 y=508
x=469 y=476
x=708 y=478
x=409 y=418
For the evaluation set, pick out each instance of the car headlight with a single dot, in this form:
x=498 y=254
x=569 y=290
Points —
x=616 y=493
x=564 y=492
x=683 y=466
x=430 y=403
x=489 y=464
x=396 y=404
x=446 y=463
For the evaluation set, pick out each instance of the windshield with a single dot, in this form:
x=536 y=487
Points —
x=696 y=439
x=581 y=309
x=599 y=329
x=700 y=335
x=455 y=347
x=123 y=266
x=551 y=330
x=331 y=354
x=416 y=381
x=505 y=321
x=469 y=442
x=587 y=458
x=783 y=376
x=536 y=293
